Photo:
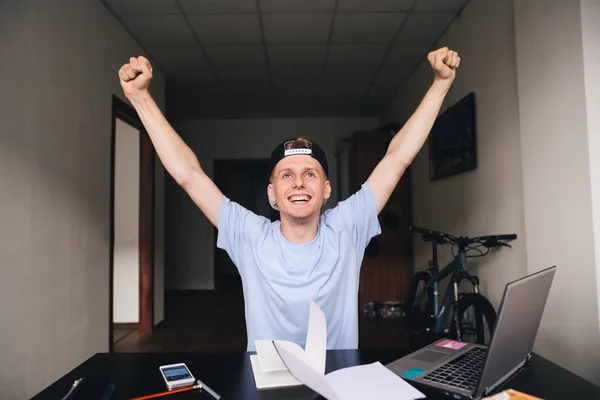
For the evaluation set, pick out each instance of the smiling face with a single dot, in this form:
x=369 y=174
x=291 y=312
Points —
x=299 y=186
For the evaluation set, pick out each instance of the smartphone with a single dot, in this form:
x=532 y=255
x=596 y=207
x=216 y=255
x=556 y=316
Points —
x=176 y=375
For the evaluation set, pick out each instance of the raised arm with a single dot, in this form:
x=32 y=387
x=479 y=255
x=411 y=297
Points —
x=179 y=160
x=408 y=141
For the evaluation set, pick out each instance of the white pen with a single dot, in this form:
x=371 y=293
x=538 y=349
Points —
x=77 y=382
x=209 y=390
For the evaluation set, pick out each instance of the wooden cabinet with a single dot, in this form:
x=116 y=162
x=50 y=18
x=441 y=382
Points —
x=387 y=265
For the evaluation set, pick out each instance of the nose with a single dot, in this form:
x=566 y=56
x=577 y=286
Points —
x=299 y=181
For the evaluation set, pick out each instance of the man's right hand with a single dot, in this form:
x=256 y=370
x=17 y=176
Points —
x=135 y=76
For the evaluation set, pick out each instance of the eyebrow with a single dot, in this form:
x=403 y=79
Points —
x=306 y=169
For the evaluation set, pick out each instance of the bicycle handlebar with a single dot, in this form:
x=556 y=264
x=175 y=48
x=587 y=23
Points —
x=433 y=236
x=421 y=230
x=431 y=232
x=430 y=235
x=506 y=237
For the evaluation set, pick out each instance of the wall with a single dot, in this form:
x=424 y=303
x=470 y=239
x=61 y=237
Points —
x=525 y=63
x=555 y=140
x=58 y=74
x=126 y=276
x=488 y=200
x=590 y=15
x=190 y=237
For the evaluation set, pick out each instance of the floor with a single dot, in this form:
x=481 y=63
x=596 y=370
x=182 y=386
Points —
x=120 y=333
x=212 y=321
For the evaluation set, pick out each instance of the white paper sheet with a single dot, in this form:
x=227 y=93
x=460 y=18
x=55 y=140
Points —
x=308 y=366
x=272 y=379
x=306 y=374
x=313 y=355
x=268 y=368
x=268 y=358
x=316 y=338
x=371 y=381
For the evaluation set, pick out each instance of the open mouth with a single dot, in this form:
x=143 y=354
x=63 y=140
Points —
x=299 y=199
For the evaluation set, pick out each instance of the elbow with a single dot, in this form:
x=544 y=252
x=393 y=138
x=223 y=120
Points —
x=185 y=176
x=182 y=180
x=405 y=162
x=400 y=159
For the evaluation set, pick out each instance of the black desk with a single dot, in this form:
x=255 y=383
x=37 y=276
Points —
x=231 y=376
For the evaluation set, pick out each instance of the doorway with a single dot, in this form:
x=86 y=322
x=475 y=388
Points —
x=131 y=276
x=244 y=181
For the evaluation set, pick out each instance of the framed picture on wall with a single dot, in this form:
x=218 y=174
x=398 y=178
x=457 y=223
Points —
x=452 y=144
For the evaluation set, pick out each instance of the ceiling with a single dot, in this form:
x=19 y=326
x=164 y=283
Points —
x=269 y=58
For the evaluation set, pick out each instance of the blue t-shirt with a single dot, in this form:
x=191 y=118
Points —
x=279 y=277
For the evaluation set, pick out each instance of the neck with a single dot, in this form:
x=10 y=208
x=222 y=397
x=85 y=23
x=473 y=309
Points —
x=299 y=231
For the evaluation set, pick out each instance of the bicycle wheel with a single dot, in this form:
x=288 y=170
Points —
x=477 y=318
x=419 y=320
x=419 y=282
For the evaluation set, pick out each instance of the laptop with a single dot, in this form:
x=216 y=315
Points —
x=472 y=371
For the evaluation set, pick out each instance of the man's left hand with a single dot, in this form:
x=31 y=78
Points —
x=444 y=63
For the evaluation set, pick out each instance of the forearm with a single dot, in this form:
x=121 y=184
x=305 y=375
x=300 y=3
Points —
x=406 y=144
x=179 y=160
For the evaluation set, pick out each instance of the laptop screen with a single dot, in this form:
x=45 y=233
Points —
x=518 y=321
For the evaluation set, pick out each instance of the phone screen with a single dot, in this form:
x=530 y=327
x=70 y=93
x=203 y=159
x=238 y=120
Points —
x=176 y=373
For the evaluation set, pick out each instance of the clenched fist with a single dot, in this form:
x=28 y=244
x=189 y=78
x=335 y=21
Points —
x=444 y=63
x=135 y=76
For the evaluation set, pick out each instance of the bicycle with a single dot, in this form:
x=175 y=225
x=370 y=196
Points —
x=425 y=284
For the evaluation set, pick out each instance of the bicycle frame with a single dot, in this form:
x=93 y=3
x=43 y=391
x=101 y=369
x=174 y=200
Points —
x=456 y=267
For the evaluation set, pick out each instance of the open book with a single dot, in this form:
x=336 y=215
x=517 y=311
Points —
x=296 y=366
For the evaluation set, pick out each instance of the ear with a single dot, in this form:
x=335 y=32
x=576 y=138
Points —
x=271 y=193
x=327 y=192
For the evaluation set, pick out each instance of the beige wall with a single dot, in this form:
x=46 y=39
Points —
x=59 y=71
x=590 y=15
x=556 y=177
x=190 y=237
x=525 y=65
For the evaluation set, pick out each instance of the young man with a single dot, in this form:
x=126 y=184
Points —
x=304 y=256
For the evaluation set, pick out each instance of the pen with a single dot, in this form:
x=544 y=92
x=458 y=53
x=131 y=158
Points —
x=77 y=382
x=168 y=392
x=209 y=390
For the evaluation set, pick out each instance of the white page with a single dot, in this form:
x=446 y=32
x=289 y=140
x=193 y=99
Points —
x=316 y=339
x=292 y=348
x=305 y=373
x=269 y=360
x=371 y=381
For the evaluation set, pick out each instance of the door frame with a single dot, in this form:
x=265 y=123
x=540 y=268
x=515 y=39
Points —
x=126 y=113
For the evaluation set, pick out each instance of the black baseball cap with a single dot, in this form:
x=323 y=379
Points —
x=284 y=149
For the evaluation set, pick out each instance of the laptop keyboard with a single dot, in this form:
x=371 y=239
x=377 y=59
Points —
x=462 y=372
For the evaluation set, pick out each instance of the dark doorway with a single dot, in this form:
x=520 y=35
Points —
x=245 y=182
